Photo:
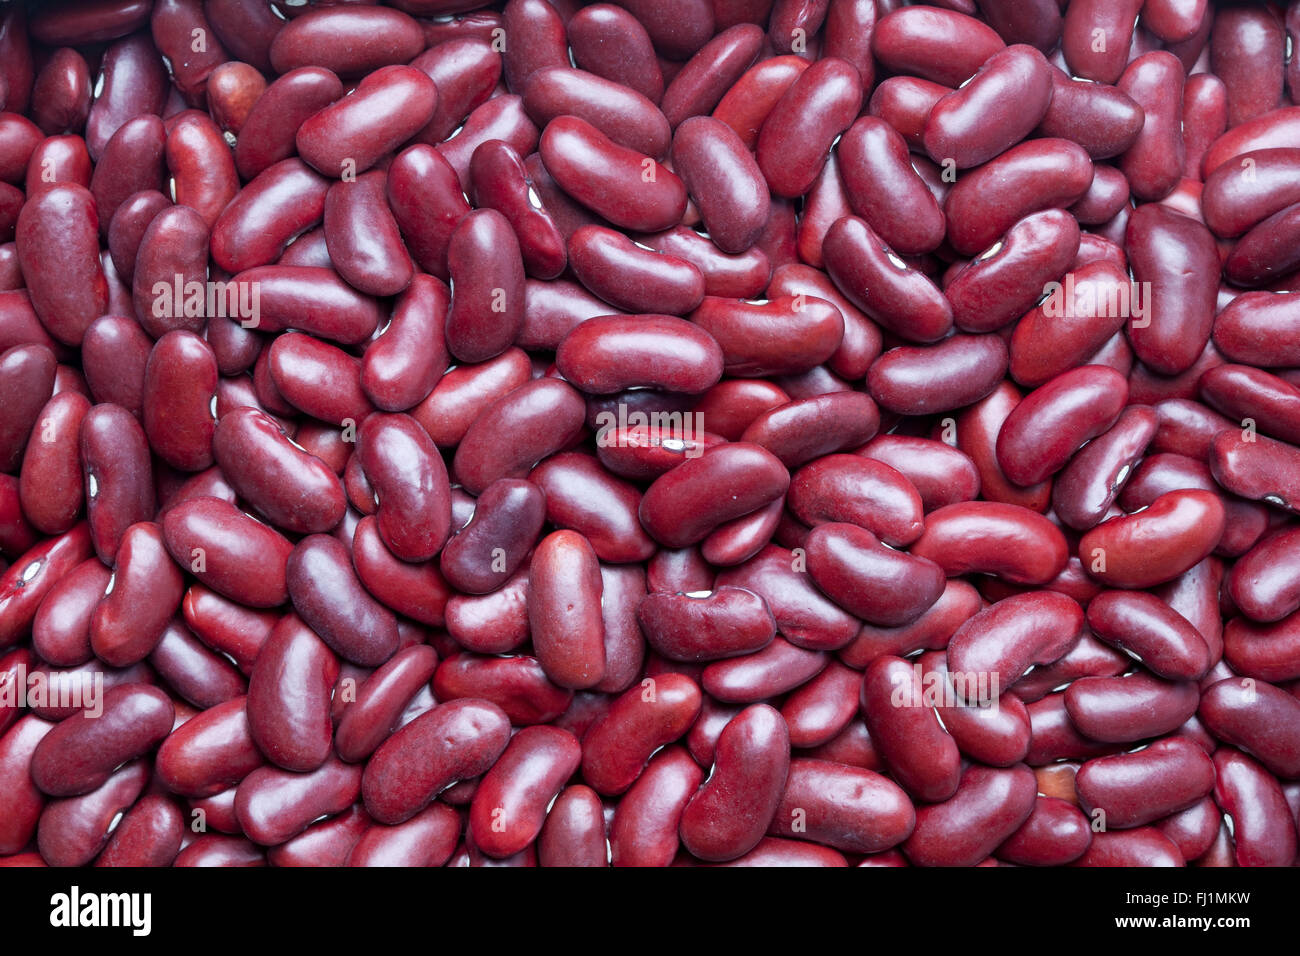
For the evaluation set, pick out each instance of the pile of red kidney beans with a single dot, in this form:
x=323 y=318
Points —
x=765 y=432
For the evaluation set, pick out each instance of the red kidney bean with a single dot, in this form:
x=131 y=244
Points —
x=80 y=754
x=1055 y=833
x=1157 y=544
x=622 y=114
x=607 y=354
x=1087 y=487
x=678 y=509
x=1122 y=709
x=349 y=136
x=629 y=189
x=465 y=70
x=1010 y=541
x=581 y=496
x=851 y=809
x=1261 y=719
x=611 y=43
x=882 y=285
x=23 y=800
x=1101 y=118
x=72 y=831
x=728 y=815
x=798 y=432
x=632 y=277
x=943 y=46
x=644 y=831
x=711 y=72
x=1145 y=627
x=427 y=839
x=234 y=554
x=906 y=732
x=328 y=595
x=727 y=622
x=141 y=597
x=381 y=700
x=457 y=740
x=267 y=136
x=31 y=577
x=61 y=627
x=776 y=669
x=548 y=412
x=193 y=671
x=1130 y=790
x=797 y=135
x=410 y=485
x=843 y=557
x=493 y=623
x=1036 y=175
x=860 y=491
x=1006 y=282
x=999 y=106
x=293 y=489
x=823 y=707
x=744 y=275
x=1168 y=251
x=574 y=831
x=351 y=42
x=512 y=800
x=781 y=336
x=564 y=589
x=273 y=804
x=987 y=808
x=1263 y=833
x=293 y=664
x=1003 y=642
x=1043 y=432
x=723 y=180
x=58 y=252
x=920 y=380
x=487 y=309
x=517 y=685
x=802 y=615
x=1262 y=583
x=502 y=182
x=49 y=488
x=484 y=553
x=1144 y=846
